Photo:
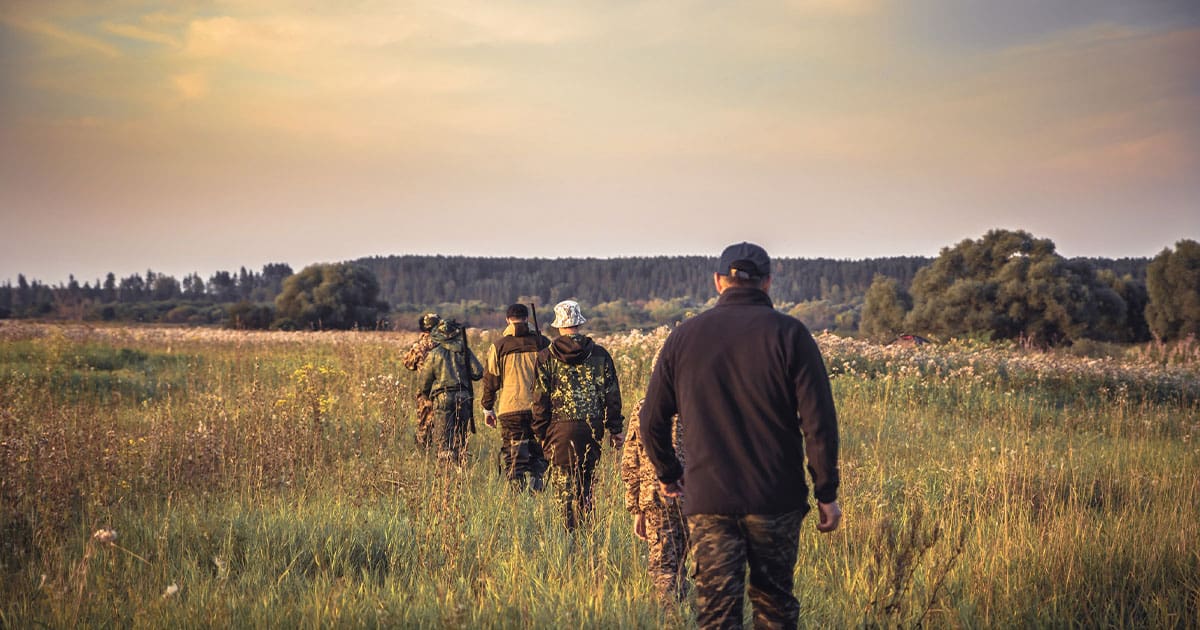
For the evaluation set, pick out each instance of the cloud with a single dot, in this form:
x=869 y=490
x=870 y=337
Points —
x=131 y=31
x=837 y=7
x=1147 y=157
x=474 y=23
x=72 y=40
x=191 y=86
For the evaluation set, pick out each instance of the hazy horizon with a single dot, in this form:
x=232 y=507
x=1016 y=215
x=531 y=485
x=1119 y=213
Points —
x=202 y=136
x=205 y=274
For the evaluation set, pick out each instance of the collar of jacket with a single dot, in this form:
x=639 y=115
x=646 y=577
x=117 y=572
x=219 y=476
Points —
x=742 y=296
x=572 y=349
x=519 y=329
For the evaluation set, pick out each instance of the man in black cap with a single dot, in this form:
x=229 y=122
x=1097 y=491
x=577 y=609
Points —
x=752 y=384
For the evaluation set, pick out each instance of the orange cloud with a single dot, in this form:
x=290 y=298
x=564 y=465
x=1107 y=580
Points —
x=191 y=86
x=138 y=33
x=53 y=32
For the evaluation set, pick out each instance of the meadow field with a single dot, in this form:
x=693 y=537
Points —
x=182 y=477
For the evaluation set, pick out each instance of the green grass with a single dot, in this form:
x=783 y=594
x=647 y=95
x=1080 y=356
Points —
x=272 y=479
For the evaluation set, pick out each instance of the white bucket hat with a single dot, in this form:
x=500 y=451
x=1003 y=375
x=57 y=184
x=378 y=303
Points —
x=567 y=315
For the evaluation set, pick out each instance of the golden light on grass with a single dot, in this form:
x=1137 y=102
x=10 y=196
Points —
x=983 y=485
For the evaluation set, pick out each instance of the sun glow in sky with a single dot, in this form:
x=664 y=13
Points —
x=201 y=135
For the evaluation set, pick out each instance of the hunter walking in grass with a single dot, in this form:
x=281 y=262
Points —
x=578 y=398
x=752 y=385
x=657 y=518
x=508 y=393
x=413 y=360
x=446 y=380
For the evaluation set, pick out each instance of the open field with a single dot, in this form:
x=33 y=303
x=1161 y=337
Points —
x=270 y=479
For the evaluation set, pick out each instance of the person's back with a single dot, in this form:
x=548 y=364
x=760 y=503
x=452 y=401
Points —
x=582 y=381
x=446 y=380
x=740 y=369
x=448 y=367
x=509 y=394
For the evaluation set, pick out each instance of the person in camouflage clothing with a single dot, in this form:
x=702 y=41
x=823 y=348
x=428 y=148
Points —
x=413 y=360
x=657 y=518
x=578 y=398
x=446 y=379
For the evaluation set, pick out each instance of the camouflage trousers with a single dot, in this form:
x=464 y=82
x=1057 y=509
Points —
x=722 y=547
x=425 y=418
x=522 y=453
x=574 y=453
x=453 y=410
x=667 y=534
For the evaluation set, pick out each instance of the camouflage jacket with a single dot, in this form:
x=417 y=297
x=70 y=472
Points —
x=418 y=351
x=577 y=381
x=642 y=493
x=450 y=366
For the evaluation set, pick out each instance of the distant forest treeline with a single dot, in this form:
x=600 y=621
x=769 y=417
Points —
x=424 y=280
x=622 y=292
x=153 y=297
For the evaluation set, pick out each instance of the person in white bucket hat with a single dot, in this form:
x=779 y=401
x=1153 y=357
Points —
x=568 y=315
x=578 y=397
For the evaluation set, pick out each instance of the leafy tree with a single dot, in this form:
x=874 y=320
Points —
x=130 y=289
x=1133 y=293
x=270 y=281
x=109 y=293
x=193 y=286
x=330 y=296
x=222 y=286
x=249 y=316
x=1010 y=285
x=817 y=315
x=165 y=287
x=1173 y=285
x=884 y=308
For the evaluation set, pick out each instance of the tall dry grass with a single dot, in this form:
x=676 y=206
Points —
x=270 y=479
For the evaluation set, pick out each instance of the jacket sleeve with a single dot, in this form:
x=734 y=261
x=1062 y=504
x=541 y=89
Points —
x=818 y=418
x=613 y=420
x=416 y=352
x=475 y=370
x=541 y=397
x=492 y=381
x=656 y=422
x=428 y=373
x=631 y=463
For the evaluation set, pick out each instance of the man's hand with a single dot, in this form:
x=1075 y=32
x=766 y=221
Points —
x=673 y=489
x=489 y=418
x=618 y=439
x=830 y=516
x=639 y=526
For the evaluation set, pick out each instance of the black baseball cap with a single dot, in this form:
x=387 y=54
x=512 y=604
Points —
x=744 y=260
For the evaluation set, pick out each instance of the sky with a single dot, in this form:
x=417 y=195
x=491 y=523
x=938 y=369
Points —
x=193 y=136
